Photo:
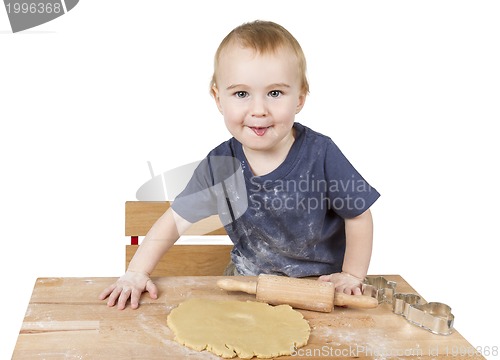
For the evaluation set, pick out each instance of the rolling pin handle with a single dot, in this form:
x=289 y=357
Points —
x=355 y=301
x=250 y=287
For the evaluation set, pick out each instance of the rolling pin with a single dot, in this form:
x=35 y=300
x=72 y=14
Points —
x=298 y=293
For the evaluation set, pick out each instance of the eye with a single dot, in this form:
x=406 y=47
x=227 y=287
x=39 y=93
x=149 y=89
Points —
x=275 y=93
x=241 y=94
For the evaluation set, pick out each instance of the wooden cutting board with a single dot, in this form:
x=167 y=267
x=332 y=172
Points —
x=65 y=320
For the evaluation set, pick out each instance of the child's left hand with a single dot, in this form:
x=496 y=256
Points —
x=346 y=283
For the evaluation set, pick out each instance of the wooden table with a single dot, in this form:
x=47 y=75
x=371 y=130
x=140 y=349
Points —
x=65 y=320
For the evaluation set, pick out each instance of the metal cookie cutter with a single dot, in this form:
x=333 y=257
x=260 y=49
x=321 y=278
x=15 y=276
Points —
x=379 y=288
x=434 y=316
x=401 y=303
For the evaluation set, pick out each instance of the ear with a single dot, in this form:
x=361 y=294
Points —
x=215 y=93
x=301 y=102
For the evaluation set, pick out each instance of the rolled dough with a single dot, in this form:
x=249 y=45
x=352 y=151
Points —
x=237 y=328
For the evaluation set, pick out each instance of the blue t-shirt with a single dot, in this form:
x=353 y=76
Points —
x=288 y=222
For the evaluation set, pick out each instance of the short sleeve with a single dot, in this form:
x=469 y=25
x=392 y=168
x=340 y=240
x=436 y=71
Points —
x=349 y=193
x=216 y=187
x=198 y=200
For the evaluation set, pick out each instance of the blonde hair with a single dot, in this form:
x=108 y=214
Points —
x=265 y=37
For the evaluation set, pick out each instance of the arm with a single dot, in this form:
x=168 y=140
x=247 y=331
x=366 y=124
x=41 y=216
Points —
x=162 y=235
x=359 y=240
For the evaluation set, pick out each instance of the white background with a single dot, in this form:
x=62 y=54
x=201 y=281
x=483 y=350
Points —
x=408 y=90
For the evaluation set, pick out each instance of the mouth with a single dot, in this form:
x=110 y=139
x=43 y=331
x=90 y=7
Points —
x=259 y=130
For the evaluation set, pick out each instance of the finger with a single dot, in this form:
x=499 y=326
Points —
x=114 y=295
x=122 y=300
x=152 y=289
x=325 y=278
x=357 y=291
x=340 y=288
x=347 y=290
x=104 y=294
x=134 y=298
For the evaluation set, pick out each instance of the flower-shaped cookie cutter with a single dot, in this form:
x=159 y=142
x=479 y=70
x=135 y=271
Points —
x=435 y=317
x=379 y=288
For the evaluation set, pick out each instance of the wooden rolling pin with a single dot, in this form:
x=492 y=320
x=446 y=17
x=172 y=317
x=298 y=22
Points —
x=298 y=293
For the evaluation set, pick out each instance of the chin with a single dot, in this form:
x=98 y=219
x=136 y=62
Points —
x=257 y=147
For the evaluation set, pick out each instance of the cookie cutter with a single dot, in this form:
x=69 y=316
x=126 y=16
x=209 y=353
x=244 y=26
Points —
x=435 y=317
x=401 y=303
x=379 y=287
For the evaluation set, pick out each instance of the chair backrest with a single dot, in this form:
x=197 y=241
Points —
x=180 y=260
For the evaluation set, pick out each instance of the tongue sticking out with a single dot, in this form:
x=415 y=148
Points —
x=259 y=131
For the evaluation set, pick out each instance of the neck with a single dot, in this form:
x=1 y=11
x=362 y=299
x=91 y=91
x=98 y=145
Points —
x=263 y=162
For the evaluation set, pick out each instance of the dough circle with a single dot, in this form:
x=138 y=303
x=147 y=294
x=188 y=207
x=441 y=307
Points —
x=237 y=328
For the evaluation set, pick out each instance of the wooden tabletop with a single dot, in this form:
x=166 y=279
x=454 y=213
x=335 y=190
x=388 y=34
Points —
x=65 y=320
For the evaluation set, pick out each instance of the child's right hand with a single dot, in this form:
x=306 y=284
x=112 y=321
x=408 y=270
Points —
x=344 y=282
x=131 y=285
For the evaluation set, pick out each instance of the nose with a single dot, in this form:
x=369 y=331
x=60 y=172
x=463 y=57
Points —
x=258 y=107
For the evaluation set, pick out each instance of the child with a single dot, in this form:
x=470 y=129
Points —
x=306 y=209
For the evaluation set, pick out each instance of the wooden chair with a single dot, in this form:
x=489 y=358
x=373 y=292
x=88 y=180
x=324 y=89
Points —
x=180 y=260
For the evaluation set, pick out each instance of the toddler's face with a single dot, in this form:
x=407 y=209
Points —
x=259 y=96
